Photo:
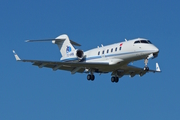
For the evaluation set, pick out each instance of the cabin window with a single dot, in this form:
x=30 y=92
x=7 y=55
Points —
x=99 y=53
x=112 y=50
x=103 y=52
x=116 y=49
x=108 y=51
x=119 y=48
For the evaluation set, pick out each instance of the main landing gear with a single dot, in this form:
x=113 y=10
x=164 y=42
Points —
x=90 y=77
x=115 y=79
x=146 y=68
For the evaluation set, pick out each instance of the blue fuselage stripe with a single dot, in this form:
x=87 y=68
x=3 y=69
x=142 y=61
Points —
x=105 y=55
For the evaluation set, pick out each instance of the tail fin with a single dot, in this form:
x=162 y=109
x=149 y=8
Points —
x=64 y=44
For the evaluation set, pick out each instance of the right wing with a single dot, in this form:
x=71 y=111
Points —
x=73 y=67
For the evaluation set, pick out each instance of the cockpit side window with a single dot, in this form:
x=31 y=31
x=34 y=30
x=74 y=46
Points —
x=149 y=42
x=136 y=42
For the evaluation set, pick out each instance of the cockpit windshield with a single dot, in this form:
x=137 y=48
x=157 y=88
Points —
x=143 y=41
x=137 y=41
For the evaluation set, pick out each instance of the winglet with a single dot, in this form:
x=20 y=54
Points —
x=16 y=56
x=27 y=40
x=157 y=68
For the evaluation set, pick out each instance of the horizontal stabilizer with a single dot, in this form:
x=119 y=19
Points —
x=53 y=40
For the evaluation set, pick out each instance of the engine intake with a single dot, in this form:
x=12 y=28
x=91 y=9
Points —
x=80 y=54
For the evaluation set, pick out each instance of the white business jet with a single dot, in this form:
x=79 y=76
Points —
x=114 y=58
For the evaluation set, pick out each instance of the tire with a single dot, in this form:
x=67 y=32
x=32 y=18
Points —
x=112 y=79
x=146 y=68
x=92 y=77
x=116 y=79
x=88 y=77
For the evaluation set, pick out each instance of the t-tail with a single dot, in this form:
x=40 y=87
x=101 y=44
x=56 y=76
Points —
x=65 y=45
x=67 y=50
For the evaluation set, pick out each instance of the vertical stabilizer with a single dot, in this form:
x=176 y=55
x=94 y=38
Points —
x=64 y=44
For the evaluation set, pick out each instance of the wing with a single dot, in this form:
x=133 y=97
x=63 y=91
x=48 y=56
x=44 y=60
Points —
x=73 y=67
x=133 y=70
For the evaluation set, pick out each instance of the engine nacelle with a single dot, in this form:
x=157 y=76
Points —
x=74 y=56
x=79 y=54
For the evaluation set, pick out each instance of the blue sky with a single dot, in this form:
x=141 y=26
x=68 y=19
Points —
x=27 y=92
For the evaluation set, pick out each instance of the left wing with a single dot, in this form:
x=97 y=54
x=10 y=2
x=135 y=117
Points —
x=132 y=70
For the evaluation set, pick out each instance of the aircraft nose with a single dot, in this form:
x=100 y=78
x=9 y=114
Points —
x=156 y=50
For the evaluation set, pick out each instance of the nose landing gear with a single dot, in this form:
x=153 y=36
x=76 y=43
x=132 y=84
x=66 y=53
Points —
x=146 y=68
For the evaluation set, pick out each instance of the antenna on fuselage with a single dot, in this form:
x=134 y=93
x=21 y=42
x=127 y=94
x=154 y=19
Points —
x=101 y=45
x=125 y=39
